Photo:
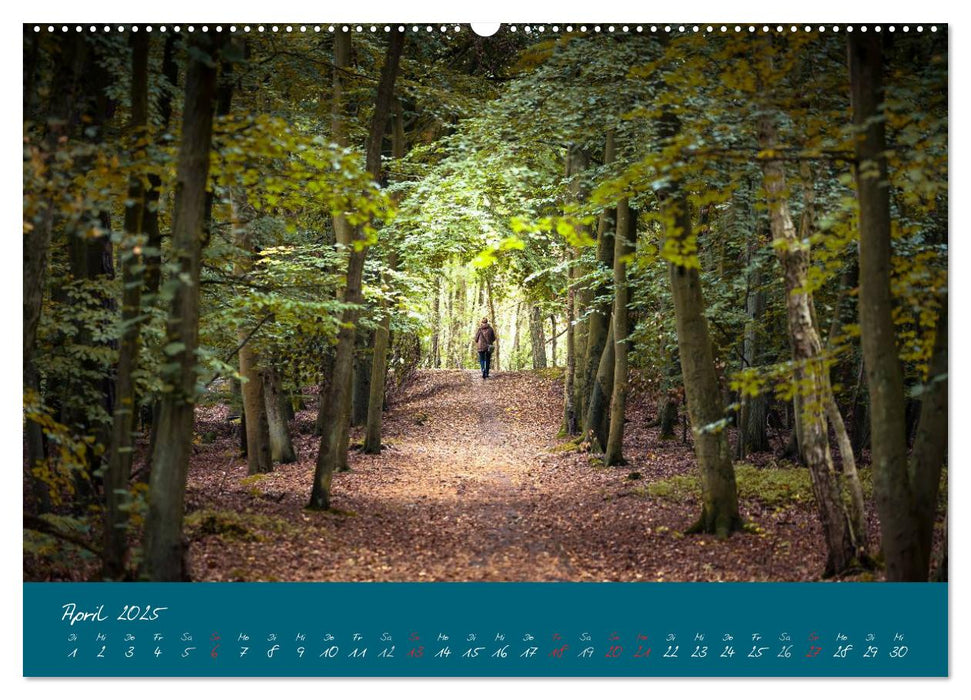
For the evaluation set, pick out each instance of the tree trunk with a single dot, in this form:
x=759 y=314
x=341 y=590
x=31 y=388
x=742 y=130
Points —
x=118 y=471
x=595 y=423
x=343 y=232
x=382 y=336
x=599 y=317
x=379 y=371
x=258 y=459
x=495 y=324
x=902 y=487
x=719 y=513
x=323 y=390
x=163 y=550
x=514 y=362
x=536 y=337
x=275 y=409
x=361 y=378
x=336 y=410
x=436 y=360
x=578 y=160
x=553 y=337
x=752 y=436
x=930 y=445
x=810 y=373
x=153 y=252
x=569 y=409
x=624 y=243
x=668 y=415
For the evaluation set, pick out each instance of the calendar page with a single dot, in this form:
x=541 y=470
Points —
x=533 y=350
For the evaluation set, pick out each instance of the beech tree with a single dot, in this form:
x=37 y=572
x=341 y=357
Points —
x=163 y=559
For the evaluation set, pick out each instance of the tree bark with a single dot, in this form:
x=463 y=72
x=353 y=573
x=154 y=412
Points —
x=903 y=488
x=624 y=244
x=118 y=471
x=570 y=422
x=719 y=512
x=163 y=550
x=276 y=403
x=595 y=423
x=436 y=323
x=553 y=337
x=379 y=371
x=578 y=161
x=536 y=337
x=382 y=336
x=495 y=324
x=343 y=232
x=333 y=441
x=810 y=374
x=598 y=318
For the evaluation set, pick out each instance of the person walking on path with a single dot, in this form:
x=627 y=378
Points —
x=484 y=342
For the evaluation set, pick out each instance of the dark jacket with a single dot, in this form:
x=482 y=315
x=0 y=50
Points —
x=484 y=337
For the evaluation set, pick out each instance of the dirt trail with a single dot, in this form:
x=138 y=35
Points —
x=471 y=487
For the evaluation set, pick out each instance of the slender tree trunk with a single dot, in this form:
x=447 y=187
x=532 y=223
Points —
x=323 y=390
x=361 y=377
x=379 y=370
x=153 y=253
x=258 y=459
x=343 y=232
x=599 y=317
x=382 y=336
x=570 y=419
x=436 y=325
x=752 y=436
x=251 y=371
x=276 y=403
x=624 y=243
x=595 y=420
x=514 y=363
x=333 y=441
x=118 y=472
x=810 y=374
x=930 y=445
x=578 y=163
x=553 y=338
x=719 y=514
x=163 y=550
x=536 y=337
x=495 y=324
x=902 y=487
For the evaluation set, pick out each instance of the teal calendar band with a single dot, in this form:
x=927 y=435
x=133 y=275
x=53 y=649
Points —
x=485 y=629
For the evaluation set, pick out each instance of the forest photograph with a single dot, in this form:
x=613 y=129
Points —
x=586 y=303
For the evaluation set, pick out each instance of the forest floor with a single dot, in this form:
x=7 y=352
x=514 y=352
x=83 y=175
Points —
x=474 y=485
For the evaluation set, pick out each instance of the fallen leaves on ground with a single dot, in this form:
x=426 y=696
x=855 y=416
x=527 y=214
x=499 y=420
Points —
x=473 y=485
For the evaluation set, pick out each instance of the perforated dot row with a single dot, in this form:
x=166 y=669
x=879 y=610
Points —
x=414 y=28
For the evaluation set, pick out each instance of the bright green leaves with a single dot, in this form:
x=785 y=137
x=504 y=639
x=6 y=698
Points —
x=280 y=168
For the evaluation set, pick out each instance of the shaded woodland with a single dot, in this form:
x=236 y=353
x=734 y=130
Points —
x=716 y=264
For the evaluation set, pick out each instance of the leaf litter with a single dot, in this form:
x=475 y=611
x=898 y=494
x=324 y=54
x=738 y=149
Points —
x=475 y=485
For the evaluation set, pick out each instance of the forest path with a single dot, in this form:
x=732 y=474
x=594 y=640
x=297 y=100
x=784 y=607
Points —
x=473 y=485
x=458 y=476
